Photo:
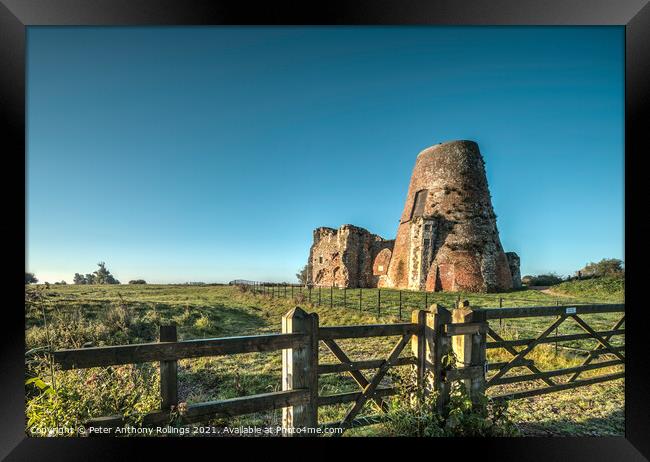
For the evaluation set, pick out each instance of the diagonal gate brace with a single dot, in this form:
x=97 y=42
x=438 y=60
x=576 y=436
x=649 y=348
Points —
x=525 y=351
x=356 y=375
x=598 y=347
x=374 y=383
x=510 y=349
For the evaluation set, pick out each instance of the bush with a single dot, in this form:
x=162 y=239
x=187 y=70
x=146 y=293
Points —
x=129 y=390
x=118 y=317
x=137 y=281
x=203 y=323
x=605 y=267
x=549 y=279
x=30 y=278
x=303 y=275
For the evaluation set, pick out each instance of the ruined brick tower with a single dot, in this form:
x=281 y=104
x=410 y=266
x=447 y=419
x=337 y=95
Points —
x=447 y=239
x=345 y=257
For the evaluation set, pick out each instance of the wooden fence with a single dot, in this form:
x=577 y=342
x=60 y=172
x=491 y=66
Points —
x=603 y=347
x=432 y=335
x=393 y=302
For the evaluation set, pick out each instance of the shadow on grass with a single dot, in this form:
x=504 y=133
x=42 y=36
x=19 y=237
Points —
x=612 y=424
x=216 y=320
x=199 y=386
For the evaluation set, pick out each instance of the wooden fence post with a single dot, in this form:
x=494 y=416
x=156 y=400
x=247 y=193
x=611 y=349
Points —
x=470 y=349
x=438 y=346
x=168 y=372
x=300 y=370
x=418 y=345
x=429 y=347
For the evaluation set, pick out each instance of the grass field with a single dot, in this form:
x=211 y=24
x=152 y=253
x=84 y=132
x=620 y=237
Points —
x=74 y=316
x=608 y=288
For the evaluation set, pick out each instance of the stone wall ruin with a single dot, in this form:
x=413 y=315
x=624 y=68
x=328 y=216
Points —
x=348 y=257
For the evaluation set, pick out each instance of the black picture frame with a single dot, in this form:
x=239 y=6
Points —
x=634 y=15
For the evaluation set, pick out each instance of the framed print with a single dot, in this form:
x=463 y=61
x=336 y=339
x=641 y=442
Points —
x=366 y=222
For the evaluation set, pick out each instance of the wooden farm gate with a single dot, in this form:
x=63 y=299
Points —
x=432 y=334
x=519 y=349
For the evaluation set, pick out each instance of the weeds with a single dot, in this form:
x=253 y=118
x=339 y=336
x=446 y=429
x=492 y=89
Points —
x=414 y=412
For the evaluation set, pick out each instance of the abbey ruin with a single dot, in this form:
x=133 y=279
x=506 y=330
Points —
x=447 y=238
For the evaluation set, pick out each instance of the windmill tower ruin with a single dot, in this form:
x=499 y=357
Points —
x=447 y=238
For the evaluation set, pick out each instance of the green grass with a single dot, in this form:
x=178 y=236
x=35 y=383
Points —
x=606 y=288
x=111 y=315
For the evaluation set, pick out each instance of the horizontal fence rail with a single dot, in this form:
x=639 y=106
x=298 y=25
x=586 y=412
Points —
x=558 y=338
x=170 y=351
x=560 y=387
x=361 y=365
x=538 y=311
x=558 y=372
x=213 y=409
x=370 y=330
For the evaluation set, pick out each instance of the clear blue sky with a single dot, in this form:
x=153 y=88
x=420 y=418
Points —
x=208 y=154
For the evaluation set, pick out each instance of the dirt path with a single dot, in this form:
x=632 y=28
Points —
x=546 y=290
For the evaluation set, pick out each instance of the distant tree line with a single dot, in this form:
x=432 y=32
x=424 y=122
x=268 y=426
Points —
x=605 y=267
x=30 y=278
x=137 y=281
x=101 y=276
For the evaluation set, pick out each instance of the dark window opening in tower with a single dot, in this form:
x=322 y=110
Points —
x=320 y=259
x=425 y=247
x=418 y=203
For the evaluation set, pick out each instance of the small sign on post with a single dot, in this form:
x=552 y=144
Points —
x=570 y=310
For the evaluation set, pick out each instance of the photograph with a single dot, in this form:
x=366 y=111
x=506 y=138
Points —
x=325 y=231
